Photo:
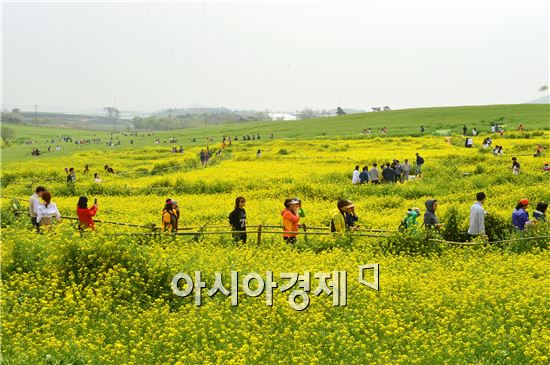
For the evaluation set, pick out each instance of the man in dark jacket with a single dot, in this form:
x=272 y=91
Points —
x=419 y=163
x=430 y=219
x=388 y=174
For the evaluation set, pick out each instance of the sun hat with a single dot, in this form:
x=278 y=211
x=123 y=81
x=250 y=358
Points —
x=349 y=204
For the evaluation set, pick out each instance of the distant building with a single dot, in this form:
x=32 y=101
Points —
x=282 y=116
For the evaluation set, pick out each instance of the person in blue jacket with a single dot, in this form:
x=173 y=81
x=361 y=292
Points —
x=364 y=175
x=520 y=216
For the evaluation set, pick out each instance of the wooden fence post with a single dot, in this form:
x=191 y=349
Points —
x=305 y=231
x=259 y=234
x=203 y=229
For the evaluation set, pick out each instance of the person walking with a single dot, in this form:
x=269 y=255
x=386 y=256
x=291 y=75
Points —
x=406 y=167
x=430 y=218
x=520 y=217
x=388 y=174
x=419 y=163
x=71 y=177
x=374 y=174
x=237 y=220
x=355 y=177
x=409 y=222
x=398 y=169
x=477 y=216
x=364 y=175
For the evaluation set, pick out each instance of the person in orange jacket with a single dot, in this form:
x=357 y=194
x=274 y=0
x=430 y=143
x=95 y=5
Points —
x=290 y=220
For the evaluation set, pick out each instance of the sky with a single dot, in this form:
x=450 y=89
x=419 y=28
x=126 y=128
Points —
x=269 y=55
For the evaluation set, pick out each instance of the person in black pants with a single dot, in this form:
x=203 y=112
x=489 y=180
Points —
x=237 y=220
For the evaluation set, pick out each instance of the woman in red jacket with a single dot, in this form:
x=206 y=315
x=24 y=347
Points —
x=85 y=214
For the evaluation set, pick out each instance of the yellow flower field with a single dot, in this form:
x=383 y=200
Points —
x=105 y=297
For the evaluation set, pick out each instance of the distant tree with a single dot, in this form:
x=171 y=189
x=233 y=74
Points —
x=324 y=113
x=340 y=111
x=16 y=110
x=8 y=135
x=11 y=118
x=307 y=113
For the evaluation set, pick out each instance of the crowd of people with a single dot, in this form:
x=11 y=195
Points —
x=390 y=172
x=71 y=175
x=343 y=218
x=43 y=211
x=520 y=216
x=177 y=150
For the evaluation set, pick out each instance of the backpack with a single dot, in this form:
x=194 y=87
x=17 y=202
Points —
x=166 y=217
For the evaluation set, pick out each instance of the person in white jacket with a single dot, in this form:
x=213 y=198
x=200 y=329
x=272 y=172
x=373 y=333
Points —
x=46 y=211
x=477 y=216
x=355 y=179
x=34 y=203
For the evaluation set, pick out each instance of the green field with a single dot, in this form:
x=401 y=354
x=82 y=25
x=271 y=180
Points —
x=399 y=123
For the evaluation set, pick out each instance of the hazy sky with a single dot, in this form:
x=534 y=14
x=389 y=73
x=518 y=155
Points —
x=273 y=55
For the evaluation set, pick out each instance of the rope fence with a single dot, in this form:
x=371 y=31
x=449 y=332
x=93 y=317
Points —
x=259 y=231
x=491 y=242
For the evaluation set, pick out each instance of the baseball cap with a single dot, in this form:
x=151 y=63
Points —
x=524 y=202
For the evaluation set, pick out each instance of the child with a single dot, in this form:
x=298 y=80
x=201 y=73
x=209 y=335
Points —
x=515 y=166
x=410 y=219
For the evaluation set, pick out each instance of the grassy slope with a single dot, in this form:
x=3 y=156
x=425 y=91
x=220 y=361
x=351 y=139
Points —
x=399 y=122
